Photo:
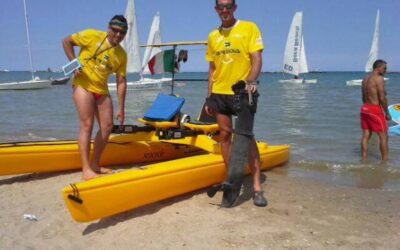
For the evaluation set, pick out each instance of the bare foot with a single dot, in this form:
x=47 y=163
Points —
x=88 y=173
x=102 y=170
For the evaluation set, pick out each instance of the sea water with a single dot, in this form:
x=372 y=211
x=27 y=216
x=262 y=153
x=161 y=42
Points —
x=319 y=121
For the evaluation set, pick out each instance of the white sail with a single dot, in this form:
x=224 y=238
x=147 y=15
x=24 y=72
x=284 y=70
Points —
x=291 y=61
x=131 y=45
x=373 y=54
x=303 y=67
x=154 y=38
x=131 y=41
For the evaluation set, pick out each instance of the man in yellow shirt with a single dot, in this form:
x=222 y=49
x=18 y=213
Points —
x=100 y=56
x=234 y=54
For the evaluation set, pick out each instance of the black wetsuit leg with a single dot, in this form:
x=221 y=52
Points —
x=243 y=135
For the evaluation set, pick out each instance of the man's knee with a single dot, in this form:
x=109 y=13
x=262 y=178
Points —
x=225 y=135
x=87 y=124
x=107 y=128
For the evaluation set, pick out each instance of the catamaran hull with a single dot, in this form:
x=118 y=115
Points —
x=52 y=156
x=113 y=194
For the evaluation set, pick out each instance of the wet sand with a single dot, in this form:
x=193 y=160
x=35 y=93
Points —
x=301 y=214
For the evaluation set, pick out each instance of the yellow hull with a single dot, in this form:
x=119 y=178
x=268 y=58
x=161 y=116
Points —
x=112 y=194
x=51 y=156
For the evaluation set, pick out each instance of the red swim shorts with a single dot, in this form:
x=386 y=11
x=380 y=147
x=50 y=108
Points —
x=372 y=118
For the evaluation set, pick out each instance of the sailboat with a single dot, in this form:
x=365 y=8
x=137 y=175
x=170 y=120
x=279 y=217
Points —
x=35 y=83
x=150 y=52
x=373 y=53
x=132 y=48
x=295 y=60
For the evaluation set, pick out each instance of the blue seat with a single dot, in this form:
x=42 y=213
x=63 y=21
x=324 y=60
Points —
x=164 y=108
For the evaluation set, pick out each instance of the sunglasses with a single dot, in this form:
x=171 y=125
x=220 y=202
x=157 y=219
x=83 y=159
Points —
x=228 y=6
x=116 y=31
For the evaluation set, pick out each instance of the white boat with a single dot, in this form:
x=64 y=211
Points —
x=35 y=83
x=358 y=82
x=131 y=45
x=23 y=85
x=295 y=60
x=373 y=53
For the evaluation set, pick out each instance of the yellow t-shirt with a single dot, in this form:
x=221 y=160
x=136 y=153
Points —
x=99 y=60
x=230 y=51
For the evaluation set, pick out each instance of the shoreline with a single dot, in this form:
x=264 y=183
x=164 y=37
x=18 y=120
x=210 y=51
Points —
x=301 y=213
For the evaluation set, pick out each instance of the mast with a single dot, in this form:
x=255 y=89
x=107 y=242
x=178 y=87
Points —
x=27 y=37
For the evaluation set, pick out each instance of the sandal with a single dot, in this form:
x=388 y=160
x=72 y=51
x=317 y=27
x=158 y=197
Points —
x=259 y=199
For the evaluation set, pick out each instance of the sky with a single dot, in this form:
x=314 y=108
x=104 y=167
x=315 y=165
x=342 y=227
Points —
x=337 y=33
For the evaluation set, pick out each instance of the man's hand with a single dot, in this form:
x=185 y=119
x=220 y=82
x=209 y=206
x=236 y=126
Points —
x=388 y=117
x=121 y=117
x=78 y=72
x=251 y=86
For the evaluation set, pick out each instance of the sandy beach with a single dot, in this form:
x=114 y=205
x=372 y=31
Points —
x=301 y=214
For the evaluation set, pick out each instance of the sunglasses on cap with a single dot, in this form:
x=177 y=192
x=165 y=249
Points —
x=116 y=31
x=228 y=6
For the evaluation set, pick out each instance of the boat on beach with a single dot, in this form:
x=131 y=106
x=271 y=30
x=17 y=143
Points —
x=188 y=156
x=188 y=159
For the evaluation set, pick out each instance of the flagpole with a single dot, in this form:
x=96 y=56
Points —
x=173 y=73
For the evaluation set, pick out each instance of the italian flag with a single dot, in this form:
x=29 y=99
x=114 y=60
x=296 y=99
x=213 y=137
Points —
x=162 y=62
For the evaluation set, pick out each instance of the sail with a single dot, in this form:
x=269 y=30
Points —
x=291 y=59
x=373 y=54
x=154 y=38
x=131 y=41
x=303 y=67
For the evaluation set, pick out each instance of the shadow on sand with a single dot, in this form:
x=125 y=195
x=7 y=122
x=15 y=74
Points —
x=136 y=212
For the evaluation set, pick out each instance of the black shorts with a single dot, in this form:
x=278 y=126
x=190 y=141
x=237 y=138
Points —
x=222 y=104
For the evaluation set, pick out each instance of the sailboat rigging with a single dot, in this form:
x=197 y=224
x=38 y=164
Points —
x=35 y=83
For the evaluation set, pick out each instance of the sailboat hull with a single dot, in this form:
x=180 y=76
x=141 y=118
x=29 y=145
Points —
x=143 y=84
x=299 y=81
x=25 y=85
x=358 y=82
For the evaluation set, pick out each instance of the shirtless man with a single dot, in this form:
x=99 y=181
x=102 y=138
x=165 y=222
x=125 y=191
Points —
x=374 y=112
